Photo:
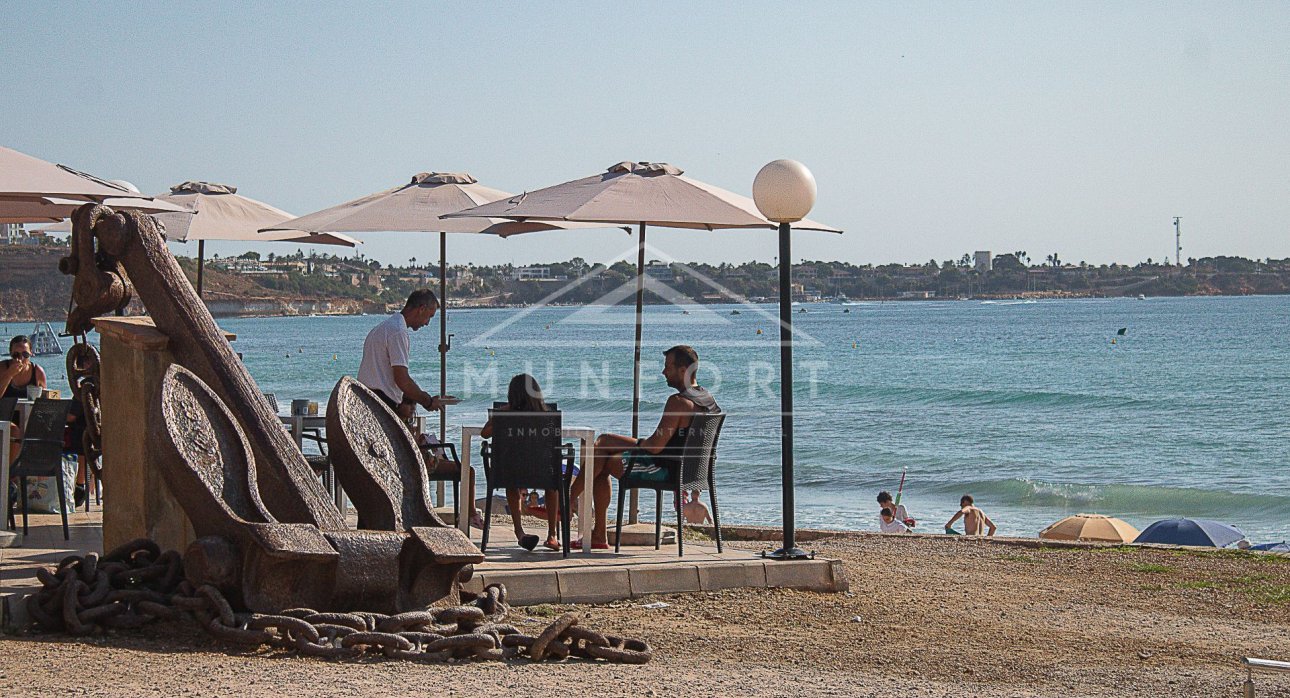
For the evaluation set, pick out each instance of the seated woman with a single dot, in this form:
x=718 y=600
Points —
x=17 y=373
x=524 y=395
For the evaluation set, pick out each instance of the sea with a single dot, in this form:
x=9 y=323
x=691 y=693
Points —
x=1137 y=408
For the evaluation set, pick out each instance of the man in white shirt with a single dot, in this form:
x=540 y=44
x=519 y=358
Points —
x=384 y=368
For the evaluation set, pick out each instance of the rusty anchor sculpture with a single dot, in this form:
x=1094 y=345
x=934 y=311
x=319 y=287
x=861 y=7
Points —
x=290 y=548
x=268 y=565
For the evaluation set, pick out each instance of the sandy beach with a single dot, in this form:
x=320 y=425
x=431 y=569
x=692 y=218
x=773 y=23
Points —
x=926 y=616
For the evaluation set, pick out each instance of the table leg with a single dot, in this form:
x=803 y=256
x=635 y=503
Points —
x=298 y=431
x=466 y=491
x=585 y=508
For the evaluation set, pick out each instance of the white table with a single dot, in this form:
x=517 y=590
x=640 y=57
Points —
x=586 y=461
x=24 y=411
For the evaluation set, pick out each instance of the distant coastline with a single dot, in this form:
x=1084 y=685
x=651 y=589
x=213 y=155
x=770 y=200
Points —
x=32 y=288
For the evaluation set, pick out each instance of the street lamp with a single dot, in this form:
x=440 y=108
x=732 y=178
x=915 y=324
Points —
x=784 y=192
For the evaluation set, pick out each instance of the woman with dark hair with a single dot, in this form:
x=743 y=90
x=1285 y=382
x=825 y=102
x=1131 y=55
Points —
x=524 y=395
x=17 y=373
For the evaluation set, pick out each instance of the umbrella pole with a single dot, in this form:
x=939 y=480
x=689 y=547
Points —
x=790 y=551
x=636 y=361
x=443 y=332
x=201 y=256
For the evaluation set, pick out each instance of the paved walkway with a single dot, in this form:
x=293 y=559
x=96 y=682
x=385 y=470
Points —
x=541 y=576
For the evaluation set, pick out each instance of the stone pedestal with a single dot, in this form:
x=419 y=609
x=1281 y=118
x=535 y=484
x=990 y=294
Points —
x=137 y=502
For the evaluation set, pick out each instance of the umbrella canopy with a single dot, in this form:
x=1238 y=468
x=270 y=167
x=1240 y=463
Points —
x=632 y=193
x=1282 y=547
x=35 y=191
x=1191 y=532
x=221 y=213
x=420 y=206
x=211 y=211
x=1090 y=527
x=47 y=209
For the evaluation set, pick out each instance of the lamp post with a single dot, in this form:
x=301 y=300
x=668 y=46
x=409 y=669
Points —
x=784 y=192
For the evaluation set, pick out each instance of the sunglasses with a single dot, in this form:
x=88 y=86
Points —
x=21 y=355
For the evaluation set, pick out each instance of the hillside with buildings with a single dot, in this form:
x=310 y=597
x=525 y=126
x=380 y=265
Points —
x=251 y=284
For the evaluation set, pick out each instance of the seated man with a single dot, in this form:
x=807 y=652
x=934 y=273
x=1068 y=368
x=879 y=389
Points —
x=651 y=457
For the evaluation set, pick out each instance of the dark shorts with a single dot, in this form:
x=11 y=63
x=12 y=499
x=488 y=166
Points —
x=645 y=466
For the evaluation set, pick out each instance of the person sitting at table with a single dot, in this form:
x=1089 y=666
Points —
x=525 y=395
x=17 y=373
x=655 y=456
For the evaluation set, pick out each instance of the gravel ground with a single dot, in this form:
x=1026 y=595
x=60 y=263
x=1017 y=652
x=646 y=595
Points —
x=925 y=617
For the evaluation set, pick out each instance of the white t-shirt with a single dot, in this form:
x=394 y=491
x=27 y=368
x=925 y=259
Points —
x=386 y=346
x=897 y=524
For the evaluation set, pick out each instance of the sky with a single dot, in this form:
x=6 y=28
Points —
x=932 y=129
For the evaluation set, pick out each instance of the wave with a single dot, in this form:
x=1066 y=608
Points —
x=897 y=395
x=1120 y=498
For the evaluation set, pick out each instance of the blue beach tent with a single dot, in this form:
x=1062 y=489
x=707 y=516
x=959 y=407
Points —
x=1190 y=532
x=1282 y=547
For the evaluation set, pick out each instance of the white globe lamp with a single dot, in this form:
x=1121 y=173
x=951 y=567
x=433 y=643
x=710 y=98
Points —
x=784 y=191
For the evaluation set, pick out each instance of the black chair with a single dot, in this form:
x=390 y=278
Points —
x=696 y=471
x=443 y=467
x=525 y=451
x=42 y=453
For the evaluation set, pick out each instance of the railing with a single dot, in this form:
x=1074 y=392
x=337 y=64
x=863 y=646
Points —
x=1253 y=664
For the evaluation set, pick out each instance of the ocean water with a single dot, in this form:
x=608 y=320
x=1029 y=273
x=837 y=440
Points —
x=1039 y=409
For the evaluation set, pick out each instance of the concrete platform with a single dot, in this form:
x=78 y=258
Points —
x=537 y=577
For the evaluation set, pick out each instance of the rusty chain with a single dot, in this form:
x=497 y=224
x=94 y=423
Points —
x=83 y=376
x=137 y=584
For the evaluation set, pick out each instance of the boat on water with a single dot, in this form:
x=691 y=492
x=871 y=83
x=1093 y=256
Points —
x=1141 y=297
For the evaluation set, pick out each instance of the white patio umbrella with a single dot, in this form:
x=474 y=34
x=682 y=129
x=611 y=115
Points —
x=641 y=194
x=35 y=191
x=210 y=211
x=223 y=214
x=420 y=207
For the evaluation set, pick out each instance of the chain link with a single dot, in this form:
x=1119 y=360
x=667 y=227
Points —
x=137 y=584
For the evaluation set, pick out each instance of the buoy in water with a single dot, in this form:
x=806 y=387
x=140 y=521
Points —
x=758 y=330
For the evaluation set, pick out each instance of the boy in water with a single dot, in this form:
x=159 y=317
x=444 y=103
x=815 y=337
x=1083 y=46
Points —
x=973 y=518
x=899 y=521
x=888 y=523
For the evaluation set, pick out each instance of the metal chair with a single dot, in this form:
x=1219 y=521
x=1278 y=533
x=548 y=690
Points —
x=443 y=467
x=695 y=470
x=525 y=451
x=42 y=453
